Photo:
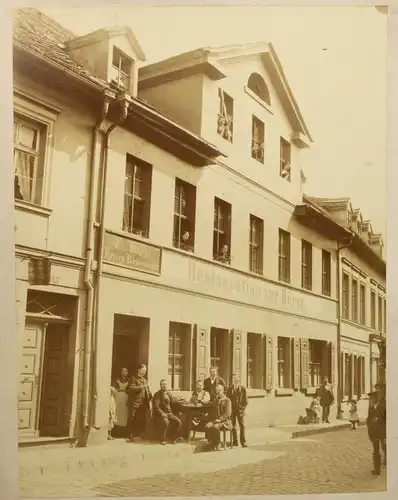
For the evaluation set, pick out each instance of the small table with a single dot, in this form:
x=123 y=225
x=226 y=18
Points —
x=189 y=409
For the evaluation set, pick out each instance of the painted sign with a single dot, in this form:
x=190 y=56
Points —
x=133 y=254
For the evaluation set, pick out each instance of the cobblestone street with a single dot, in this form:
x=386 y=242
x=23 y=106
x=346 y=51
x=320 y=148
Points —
x=335 y=462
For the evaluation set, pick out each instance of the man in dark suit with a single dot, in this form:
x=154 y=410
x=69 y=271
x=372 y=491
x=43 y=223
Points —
x=139 y=403
x=325 y=393
x=166 y=422
x=376 y=424
x=220 y=418
x=238 y=396
x=211 y=383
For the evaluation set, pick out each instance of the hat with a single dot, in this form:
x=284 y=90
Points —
x=380 y=385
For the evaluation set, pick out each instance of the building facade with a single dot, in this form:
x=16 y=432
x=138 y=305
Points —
x=160 y=220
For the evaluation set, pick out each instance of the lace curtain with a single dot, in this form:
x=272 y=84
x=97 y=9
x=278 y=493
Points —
x=24 y=174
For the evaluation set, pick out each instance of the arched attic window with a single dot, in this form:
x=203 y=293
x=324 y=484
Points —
x=257 y=85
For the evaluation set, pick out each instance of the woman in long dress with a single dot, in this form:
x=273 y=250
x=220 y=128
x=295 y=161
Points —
x=121 y=399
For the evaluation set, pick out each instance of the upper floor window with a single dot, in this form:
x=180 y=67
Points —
x=346 y=296
x=258 y=137
x=258 y=86
x=256 y=244
x=121 y=68
x=222 y=231
x=284 y=256
x=385 y=315
x=326 y=273
x=306 y=265
x=285 y=159
x=225 y=118
x=29 y=138
x=137 y=196
x=380 y=313
x=184 y=215
x=362 y=302
x=354 y=298
x=373 y=309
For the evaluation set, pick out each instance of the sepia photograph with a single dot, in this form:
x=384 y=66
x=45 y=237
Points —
x=200 y=218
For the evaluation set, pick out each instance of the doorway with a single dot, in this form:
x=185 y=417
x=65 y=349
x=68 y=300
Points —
x=43 y=385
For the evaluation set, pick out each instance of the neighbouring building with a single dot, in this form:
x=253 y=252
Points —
x=160 y=218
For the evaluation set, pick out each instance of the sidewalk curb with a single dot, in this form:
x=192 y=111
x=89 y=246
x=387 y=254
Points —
x=322 y=430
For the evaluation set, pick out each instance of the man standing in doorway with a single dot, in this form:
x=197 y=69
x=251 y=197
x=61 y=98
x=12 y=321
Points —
x=238 y=396
x=212 y=382
x=326 y=399
x=376 y=424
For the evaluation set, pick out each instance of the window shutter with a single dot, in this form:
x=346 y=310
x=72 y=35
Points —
x=268 y=356
x=333 y=353
x=237 y=353
x=304 y=364
x=296 y=363
x=202 y=359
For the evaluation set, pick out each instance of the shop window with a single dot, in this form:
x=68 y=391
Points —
x=222 y=231
x=326 y=273
x=346 y=296
x=225 y=117
x=184 y=216
x=256 y=244
x=373 y=309
x=284 y=363
x=284 y=256
x=306 y=265
x=315 y=362
x=354 y=298
x=179 y=352
x=137 y=197
x=258 y=138
x=362 y=302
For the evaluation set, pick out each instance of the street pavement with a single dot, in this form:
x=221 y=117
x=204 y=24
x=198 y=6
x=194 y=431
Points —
x=335 y=462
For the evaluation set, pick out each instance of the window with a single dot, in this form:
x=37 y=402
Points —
x=137 y=197
x=256 y=244
x=225 y=118
x=216 y=347
x=346 y=296
x=347 y=375
x=184 y=216
x=28 y=160
x=354 y=298
x=177 y=336
x=380 y=313
x=258 y=138
x=285 y=159
x=315 y=360
x=326 y=273
x=385 y=316
x=284 y=256
x=306 y=265
x=362 y=302
x=250 y=364
x=222 y=231
x=258 y=86
x=373 y=309
x=283 y=363
x=121 y=68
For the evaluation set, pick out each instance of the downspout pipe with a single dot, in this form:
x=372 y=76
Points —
x=124 y=101
x=108 y=96
x=339 y=415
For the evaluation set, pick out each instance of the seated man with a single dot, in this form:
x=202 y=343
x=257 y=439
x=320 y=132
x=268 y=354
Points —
x=166 y=422
x=199 y=397
x=220 y=418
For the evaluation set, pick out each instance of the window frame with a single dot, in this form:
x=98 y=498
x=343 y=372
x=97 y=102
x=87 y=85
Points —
x=225 y=114
x=380 y=313
x=306 y=265
x=326 y=273
x=176 y=330
x=354 y=299
x=362 y=303
x=284 y=277
x=314 y=362
x=219 y=233
x=285 y=160
x=345 y=292
x=186 y=194
x=127 y=76
x=217 y=341
x=283 y=361
x=258 y=145
x=256 y=247
x=373 y=305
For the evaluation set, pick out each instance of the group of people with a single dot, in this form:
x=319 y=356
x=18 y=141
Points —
x=215 y=407
x=319 y=408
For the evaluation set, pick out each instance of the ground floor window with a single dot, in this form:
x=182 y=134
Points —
x=284 y=378
x=347 y=375
x=250 y=364
x=254 y=361
x=216 y=347
x=315 y=362
x=179 y=351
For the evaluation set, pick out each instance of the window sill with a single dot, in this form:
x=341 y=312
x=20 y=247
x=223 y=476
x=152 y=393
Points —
x=24 y=206
x=281 y=391
x=258 y=100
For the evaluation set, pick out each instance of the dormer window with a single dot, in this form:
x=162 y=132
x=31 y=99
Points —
x=121 y=68
x=225 y=118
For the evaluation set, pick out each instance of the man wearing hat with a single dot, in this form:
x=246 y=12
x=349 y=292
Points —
x=376 y=424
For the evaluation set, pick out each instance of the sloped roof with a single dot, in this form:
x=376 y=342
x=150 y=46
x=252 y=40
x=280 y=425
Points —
x=213 y=56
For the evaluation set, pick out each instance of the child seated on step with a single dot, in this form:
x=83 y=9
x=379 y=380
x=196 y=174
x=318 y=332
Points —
x=354 y=413
x=314 y=411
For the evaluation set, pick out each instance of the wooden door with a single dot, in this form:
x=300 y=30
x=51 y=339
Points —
x=53 y=421
x=30 y=379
